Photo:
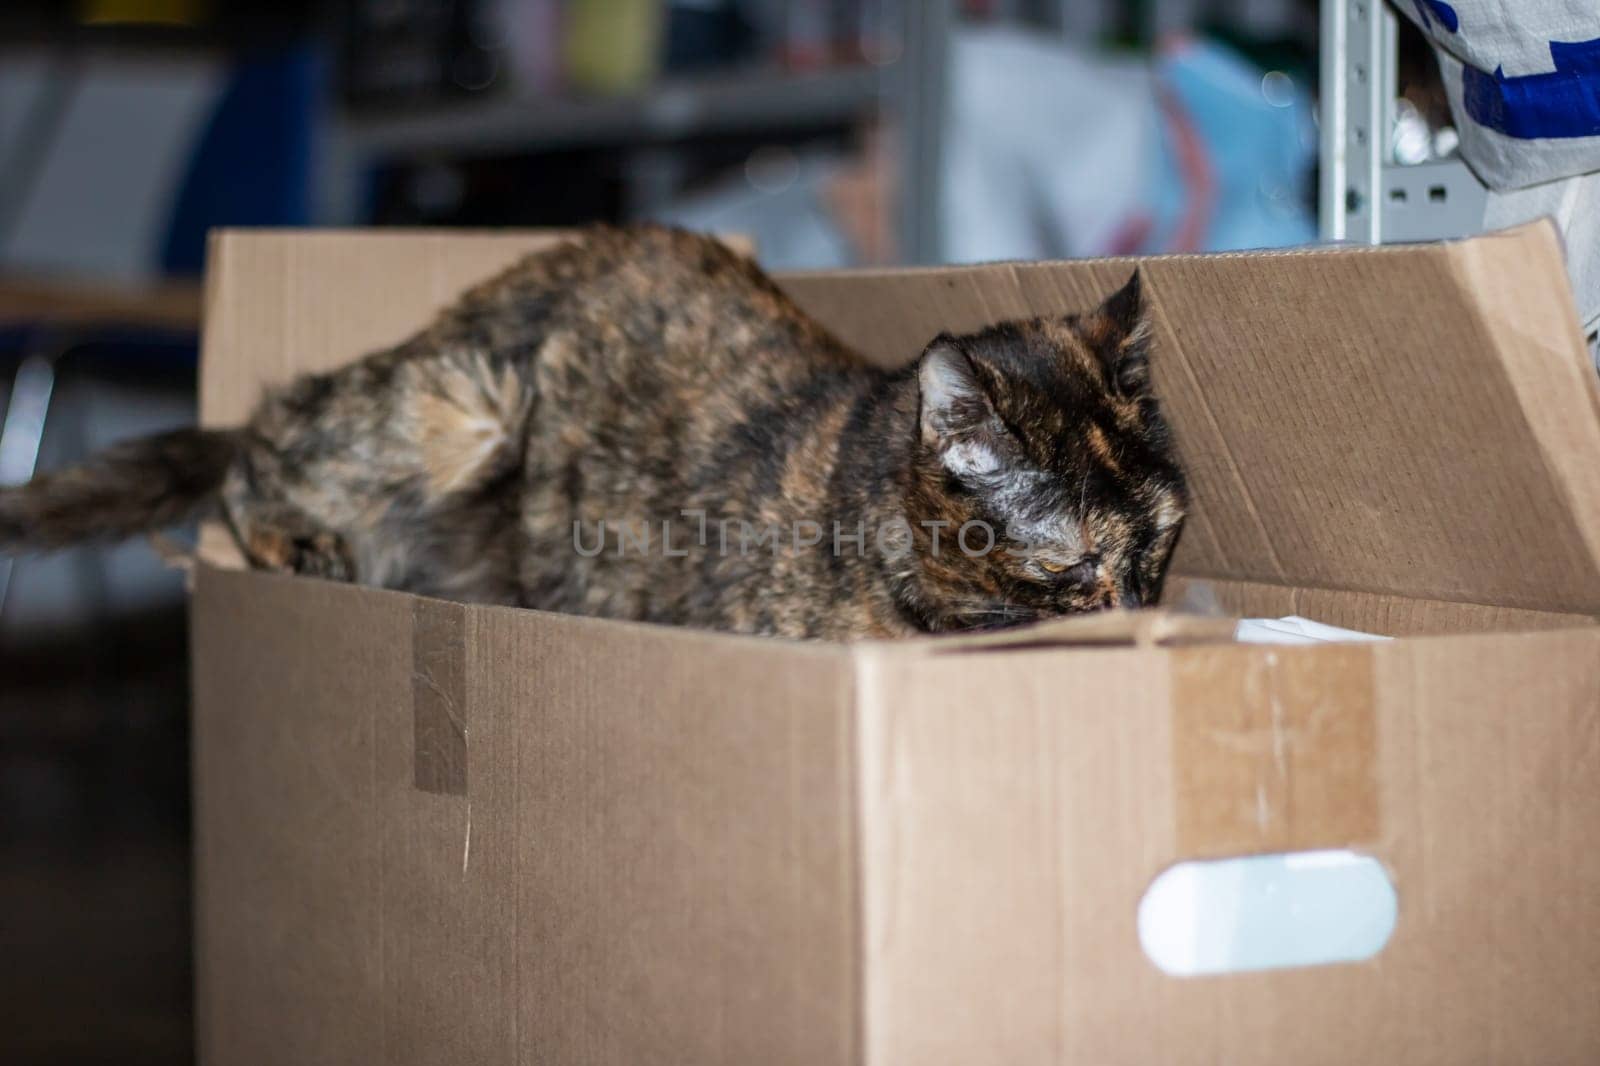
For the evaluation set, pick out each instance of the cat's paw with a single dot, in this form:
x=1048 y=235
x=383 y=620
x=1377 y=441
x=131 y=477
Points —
x=323 y=555
x=319 y=554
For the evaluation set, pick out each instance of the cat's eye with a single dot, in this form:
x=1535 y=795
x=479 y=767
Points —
x=1081 y=571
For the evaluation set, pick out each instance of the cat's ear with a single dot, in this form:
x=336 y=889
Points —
x=1119 y=333
x=958 y=422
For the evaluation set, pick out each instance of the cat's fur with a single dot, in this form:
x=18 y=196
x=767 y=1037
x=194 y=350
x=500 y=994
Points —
x=640 y=376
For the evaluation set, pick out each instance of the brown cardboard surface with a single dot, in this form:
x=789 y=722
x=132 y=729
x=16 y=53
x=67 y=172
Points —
x=302 y=701
x=682 y=847
x=1366 y=612
x=439 y=716
x=282 y=303
x=1007 y=839
x=651 y=860
x=1273 y=749
x=1534 y=326
x=433 y=833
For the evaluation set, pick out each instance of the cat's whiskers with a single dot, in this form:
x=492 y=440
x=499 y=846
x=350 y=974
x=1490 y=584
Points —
x=991 y=613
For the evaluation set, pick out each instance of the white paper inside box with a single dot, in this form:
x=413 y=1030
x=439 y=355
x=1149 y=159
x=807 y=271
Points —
x=429 y=832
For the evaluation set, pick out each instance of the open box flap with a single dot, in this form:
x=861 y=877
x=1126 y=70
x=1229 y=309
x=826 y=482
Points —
x=1418 y=420
x=281 y=303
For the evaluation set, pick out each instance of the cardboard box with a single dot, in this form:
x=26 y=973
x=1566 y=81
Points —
x=434 y=833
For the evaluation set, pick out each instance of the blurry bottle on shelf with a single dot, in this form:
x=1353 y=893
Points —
x=532 y=34
x=612 y=46
x=135 y=12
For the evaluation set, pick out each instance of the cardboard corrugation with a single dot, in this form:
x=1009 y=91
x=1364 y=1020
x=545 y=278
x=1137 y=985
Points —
x=439 y=714
x=437 y=833
x=1535 y=325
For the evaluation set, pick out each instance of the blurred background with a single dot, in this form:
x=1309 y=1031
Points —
x=834 y=132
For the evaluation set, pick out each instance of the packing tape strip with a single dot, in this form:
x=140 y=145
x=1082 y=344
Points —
x=439 y=697
x=1274 y=749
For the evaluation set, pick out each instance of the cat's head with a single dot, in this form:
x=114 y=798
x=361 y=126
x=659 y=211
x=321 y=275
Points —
x=1046 y=432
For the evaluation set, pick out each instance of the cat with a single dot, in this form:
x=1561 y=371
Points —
x=639 y=424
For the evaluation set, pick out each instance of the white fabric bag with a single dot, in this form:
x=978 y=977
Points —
x=1523 y=78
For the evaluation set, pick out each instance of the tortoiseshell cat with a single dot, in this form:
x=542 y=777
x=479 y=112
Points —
x=639 y=424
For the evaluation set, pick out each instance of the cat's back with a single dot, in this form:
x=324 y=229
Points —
x=666 y=374
x=686 y=302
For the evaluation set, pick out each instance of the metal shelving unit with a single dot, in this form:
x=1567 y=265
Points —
x=1365 y=196
x=672 y=110
x=921 y=88
x=912 y=89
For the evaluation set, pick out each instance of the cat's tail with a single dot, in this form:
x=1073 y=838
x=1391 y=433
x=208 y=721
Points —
x=137 y=486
